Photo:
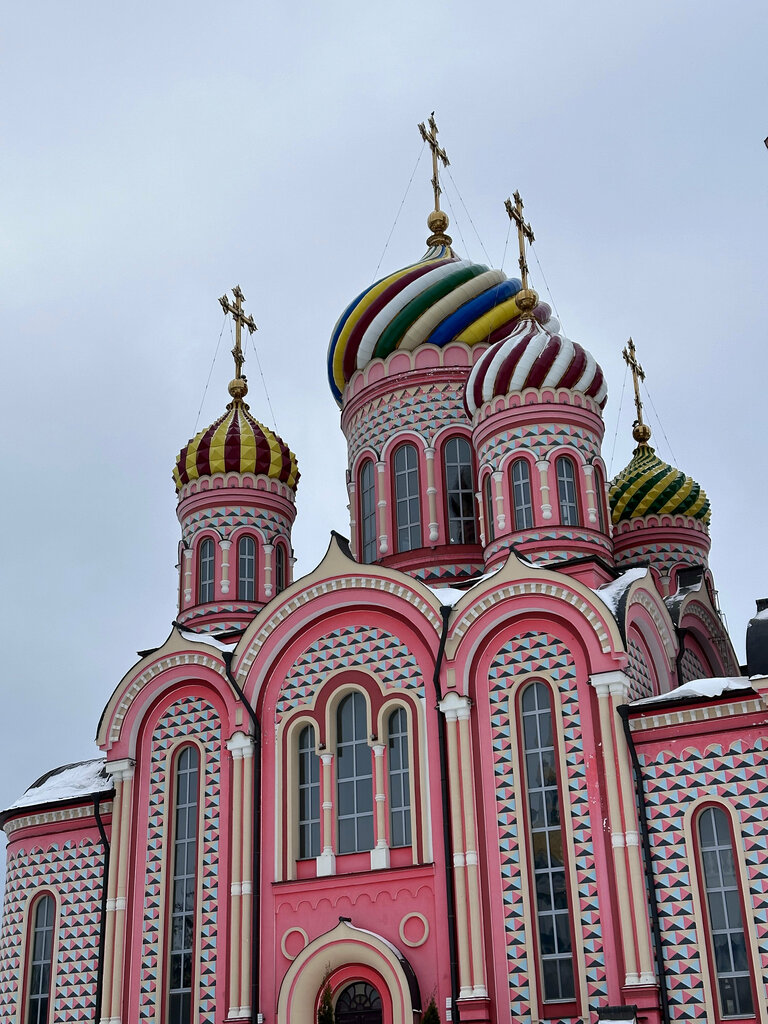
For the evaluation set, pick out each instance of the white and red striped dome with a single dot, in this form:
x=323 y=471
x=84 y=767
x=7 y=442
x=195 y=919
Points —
x=534 y=356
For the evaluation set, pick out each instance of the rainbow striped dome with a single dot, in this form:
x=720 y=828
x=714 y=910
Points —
x=649 y=486
x=237 y=443
x=438 y=300
x=534 y=356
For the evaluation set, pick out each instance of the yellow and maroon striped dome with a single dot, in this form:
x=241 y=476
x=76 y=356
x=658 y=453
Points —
x=236 y=443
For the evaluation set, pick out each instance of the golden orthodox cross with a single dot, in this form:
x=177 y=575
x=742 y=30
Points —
x=524 y=232
x=236 y=309
x=438 y=153
x=641 y=431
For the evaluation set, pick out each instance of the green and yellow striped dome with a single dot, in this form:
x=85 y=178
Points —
x=648 y=486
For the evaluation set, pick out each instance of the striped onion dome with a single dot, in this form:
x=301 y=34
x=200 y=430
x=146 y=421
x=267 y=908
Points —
x=438 y=300
x=649 y=486
x=237 y=443
x=533 y=355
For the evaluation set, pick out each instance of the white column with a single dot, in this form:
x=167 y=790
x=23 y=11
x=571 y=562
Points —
x=589 y=480
x=187 y=571
x=122 y=776
x=380 y=852
x=381 y=505
x=501 y=519
x=431 y=493
x=225 y=545
x=546 y=505
x=326 y=862
x=267 y=549
x=352 y=493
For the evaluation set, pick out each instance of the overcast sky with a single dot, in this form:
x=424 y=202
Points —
x=156 y=154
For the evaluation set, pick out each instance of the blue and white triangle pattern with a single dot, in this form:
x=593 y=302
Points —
x=674 y=780
x=535 y=652
x=74 y=871
x=363 y=647
x=191 y=716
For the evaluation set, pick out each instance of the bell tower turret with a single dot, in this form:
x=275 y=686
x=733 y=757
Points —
x=236 y=484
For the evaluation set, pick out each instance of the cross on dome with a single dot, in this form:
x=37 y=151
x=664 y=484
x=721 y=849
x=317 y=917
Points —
x=640 y=430
x=437 y=221
x=238 y=388
x=526 y=298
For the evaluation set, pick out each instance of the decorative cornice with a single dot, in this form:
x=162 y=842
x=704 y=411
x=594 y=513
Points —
x=702 y=713
x=52 y=817
x=302 y=598
x=149 y=673
x=492 y=599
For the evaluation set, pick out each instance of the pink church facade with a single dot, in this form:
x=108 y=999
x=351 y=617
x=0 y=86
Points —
x=495 y=750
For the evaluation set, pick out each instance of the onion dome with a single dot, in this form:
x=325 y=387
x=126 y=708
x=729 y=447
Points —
x=436 y=301
x=649 y=486
x=236 y=443
x=534 y=355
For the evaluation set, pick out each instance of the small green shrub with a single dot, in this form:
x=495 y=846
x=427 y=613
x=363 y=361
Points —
x=430 y=1015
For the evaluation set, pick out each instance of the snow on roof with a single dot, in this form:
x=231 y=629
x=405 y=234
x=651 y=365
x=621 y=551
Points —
x=698 y=688
x=611 y=593
x=70 y=782
x=450 y=596
x=207 y=638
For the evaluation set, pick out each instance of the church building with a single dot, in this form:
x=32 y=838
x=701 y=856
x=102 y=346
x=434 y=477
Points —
x=495 y=750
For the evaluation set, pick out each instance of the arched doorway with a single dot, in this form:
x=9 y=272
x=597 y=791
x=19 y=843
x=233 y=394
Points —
x=358 y=1003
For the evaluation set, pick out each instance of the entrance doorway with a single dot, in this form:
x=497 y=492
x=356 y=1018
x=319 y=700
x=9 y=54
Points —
x=359 y=1003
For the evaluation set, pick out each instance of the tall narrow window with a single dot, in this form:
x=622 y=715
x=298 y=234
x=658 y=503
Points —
x=459 y=491
x=489 y=509
x=368 y=512
x=727 y=939
x=309 y=794
x=206 y=562
x=555 y=948
x=566 y=492
x=521 y=494
x=183 y=885
x=407 y=507
x=600 y=499
x=279 y=568
x=246 y=569
x=354 y=776
x=399 y=780
x=39 y=991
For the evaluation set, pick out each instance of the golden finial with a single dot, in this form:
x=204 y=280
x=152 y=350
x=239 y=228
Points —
x=640 y=431
x=437 y=221
x=526 y=298
x=238 y=388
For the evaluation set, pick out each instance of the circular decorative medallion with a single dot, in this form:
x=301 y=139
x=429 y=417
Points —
x=292 y=942
x=414 y=929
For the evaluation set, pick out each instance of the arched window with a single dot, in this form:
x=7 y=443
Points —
x=399 y=779
x=41 y=960
x=368 y=512
x=407 y=505
x=547 y=847
x=183 y=887
x=246 y=569
x=358 y=1003
x=566 y=492
x=459 y=491
x=725 y=917
x=354 y=776
x=489 y=517
x=600 y=499
x=521 y=494
x=309 y=795
x=205 y=571
x=279 y=568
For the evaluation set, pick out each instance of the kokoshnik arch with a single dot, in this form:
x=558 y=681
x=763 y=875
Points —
x=495 y=748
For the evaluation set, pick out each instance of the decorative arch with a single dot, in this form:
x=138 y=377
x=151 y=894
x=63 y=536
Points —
x=349 y=953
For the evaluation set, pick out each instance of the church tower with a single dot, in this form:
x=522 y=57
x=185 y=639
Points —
x=660 y=515
x=536 y=402
x=236 y=485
